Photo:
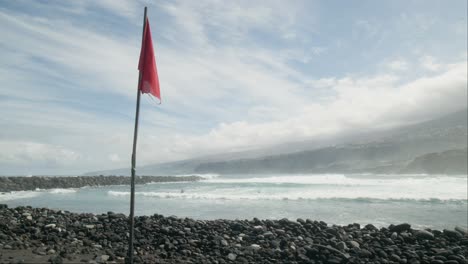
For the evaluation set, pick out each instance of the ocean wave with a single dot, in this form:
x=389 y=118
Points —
x=206 y=176
x=213 y=196
x=62 y=191
x=350 y=180
x=18 y=195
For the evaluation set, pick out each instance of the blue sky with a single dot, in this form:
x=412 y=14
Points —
x=234 y=75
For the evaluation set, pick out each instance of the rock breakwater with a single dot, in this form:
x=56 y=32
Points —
x=8 y=184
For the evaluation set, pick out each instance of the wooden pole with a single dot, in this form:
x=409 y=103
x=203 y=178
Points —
x=132 y=183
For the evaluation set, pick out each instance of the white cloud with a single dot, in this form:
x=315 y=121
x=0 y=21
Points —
x=31 y=152
x=222 y=90
x=361 y=103
x=114 y=157
x=398 y=65
x=429 y=63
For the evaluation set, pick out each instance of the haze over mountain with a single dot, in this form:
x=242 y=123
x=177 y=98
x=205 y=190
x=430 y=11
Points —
x=435 y=146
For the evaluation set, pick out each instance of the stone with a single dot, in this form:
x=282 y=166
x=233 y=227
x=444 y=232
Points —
x=232 y=256
x=365 y=253
x=51 y=252
x=395 y=257
x=56 y=260
x=341 y=246
x=400 y=228
x=354 y=244
x=423 y=234
x=255 y=246
x=50 y=226
x=461 y=230
x=102 y=258
x=452 y=233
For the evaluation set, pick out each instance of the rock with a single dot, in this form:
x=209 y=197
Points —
x=7 y=247
x=461 y=230
x=363 y=253
x=224 y=243
x=90 y=226
x=255 y=246
x=232 y=256
x=102 y=258
x=51 y=252
x=394 y=236
x=50 y=226
x=334 y=260
x=370 y=227
x=423 y=234
x=353 y=244
x=395 y=257
x=400 y=228
x=452 y=233
x=341 y=246
x=56 y=260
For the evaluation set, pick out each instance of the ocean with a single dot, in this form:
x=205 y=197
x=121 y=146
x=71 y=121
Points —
x=424 y=201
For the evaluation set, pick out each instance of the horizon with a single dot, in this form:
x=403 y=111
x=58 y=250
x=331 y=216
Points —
x=234 y=76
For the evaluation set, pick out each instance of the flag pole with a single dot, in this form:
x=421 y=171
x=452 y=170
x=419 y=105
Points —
x=132 y=180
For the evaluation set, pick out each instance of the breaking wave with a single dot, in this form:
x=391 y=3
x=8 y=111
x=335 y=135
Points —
x=18 y=195
x=297 y=197
x=62 y=191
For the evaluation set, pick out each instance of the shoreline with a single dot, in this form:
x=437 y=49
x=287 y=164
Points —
x=41 y=235
x=19 y=183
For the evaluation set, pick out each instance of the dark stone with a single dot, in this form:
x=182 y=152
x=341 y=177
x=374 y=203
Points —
x=399 y=228
x=423 y=234
x=395 y=258
x=452 y=233
x=365 y=253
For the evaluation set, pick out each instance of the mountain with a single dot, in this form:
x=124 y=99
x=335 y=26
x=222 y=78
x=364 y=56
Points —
x=406 y=149
x=447 y=162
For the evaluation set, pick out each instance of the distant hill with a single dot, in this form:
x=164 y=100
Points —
x=447 y=162
x=405 y=149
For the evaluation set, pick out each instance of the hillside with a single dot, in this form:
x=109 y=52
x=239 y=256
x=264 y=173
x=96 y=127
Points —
x=398 y=150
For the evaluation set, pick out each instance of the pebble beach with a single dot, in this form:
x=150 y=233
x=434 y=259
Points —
x=41 y=235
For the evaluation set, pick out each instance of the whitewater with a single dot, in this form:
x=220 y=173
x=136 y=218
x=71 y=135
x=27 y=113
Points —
x=426 y=201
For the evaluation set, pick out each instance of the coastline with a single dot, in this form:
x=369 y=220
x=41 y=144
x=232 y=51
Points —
x=19 y=183
x=41 y=235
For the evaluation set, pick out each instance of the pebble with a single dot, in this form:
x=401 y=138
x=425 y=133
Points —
x=102 y=238
x=232 y=256
x=423 y=234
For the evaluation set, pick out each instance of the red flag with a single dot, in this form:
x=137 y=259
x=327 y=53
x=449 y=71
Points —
x=147 y=65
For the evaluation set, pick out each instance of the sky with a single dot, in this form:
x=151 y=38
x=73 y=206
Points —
x=234 y=75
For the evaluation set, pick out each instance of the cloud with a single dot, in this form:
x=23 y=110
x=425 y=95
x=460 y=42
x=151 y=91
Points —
x=24 y=153
x=114 y=157
x=234 y=76
x=364 y=103
x=398 y=65
x=429 y=63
